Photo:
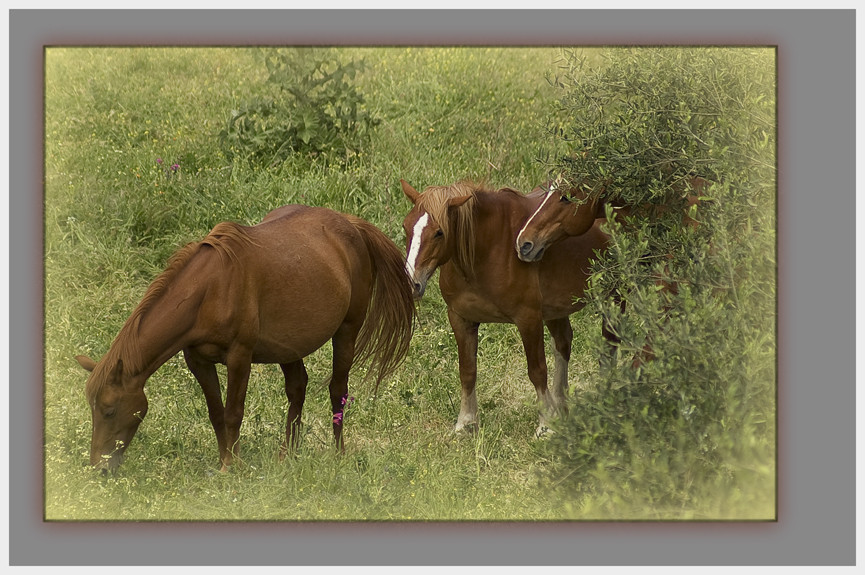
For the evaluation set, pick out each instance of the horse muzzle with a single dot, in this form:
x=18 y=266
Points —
x=419 y=280
x=529 y=251
x=107 y=464
x=105 y=460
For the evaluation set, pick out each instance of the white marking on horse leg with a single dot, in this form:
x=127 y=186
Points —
x=540 y=207
x=548 y=407
x=468 y=411
x=414 y=244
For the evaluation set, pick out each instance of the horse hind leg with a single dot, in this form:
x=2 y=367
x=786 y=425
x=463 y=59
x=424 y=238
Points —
x=296 y=380
x=609 y=358
x=466 y=335
x=532 y=334
x=562 y=334
x=207 y=377
x=343 y=357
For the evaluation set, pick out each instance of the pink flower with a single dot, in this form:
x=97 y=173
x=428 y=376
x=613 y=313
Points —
x=345 y=402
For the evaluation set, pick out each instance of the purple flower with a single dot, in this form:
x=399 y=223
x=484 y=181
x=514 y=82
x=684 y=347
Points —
x=158 y=160
x=345 y=402
x=174 y=167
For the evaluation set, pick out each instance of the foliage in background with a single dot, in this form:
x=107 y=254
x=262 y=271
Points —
x=315 y=109
x=698 y=422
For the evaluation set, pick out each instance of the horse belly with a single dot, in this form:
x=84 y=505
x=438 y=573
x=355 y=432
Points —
x=293 y=327
x=480 y=301
x=476 y=308
x=560 y=309
x=565 y=270
x=561 y=294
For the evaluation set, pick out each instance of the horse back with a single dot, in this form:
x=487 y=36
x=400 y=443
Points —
x=315 y=253
x=301 y=273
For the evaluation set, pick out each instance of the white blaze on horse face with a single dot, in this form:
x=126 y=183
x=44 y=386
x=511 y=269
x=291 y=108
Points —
x=540 y=207
x=414 y=244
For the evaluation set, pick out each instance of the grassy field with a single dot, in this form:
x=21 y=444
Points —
x=134 y=170
x=116 y=119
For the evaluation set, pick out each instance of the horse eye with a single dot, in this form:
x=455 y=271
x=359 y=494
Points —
x=439 y=233
x=110 y=412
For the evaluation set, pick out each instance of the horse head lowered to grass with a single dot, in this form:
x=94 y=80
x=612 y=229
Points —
x=270 y=293
x=468 y=232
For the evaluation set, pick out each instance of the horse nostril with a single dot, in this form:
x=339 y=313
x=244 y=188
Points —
x=526 y=248
x=419 y=288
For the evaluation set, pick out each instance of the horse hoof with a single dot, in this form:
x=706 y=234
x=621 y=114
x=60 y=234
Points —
x=469 y=428
x=543 y=432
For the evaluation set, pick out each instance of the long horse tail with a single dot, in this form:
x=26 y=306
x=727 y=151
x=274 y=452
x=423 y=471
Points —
x=390 y=319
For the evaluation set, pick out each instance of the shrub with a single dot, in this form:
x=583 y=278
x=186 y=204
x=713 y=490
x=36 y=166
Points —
x=314 y=109
x=691 y=433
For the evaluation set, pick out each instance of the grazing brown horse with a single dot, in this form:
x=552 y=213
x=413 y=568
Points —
x=468 y=232
x=270 y=293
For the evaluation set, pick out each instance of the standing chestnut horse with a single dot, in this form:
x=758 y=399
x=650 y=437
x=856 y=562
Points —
x=566 y=212
x=469 y=232
x=270 y=293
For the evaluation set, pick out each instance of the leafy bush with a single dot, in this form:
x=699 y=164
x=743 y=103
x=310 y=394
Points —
x=693 y=430
x=316 y=110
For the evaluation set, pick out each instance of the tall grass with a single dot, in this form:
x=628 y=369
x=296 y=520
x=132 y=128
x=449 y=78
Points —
x=117 y=120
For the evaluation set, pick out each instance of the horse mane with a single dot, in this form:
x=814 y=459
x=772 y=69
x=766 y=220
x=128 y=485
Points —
x=224 y=238
x=434 y=200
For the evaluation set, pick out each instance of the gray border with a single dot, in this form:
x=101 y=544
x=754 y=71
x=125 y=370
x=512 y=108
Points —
x=816 y=514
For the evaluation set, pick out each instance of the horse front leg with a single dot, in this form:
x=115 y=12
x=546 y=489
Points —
x=238 y=365
x=296 y=380
x=466 y=335
x=532 y=333
x=207 y=377
x=562 y=334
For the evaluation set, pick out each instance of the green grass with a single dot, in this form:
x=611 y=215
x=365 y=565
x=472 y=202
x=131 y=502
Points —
x=114 y=215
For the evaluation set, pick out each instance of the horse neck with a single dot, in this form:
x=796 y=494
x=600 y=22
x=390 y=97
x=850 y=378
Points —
x=497 y=219
x=164 y=336
x=578 y=223
x=156 y=331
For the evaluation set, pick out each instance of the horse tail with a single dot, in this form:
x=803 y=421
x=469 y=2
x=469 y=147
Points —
x=386 y=333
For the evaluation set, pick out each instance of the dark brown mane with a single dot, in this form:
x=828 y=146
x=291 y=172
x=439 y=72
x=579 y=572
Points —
x=125 y=347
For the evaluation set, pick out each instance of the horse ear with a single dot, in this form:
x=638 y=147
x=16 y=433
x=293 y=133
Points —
x=85 y=362
x=411 y=193
x=458 y=201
